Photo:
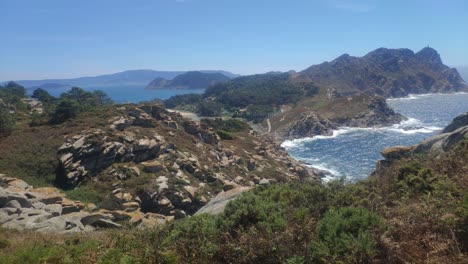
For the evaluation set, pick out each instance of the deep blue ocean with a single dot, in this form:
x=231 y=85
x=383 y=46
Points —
x=130 y=93
x=352 y=152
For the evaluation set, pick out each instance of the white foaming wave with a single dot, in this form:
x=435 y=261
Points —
x=408 y=127
x=294 y=143
x=417 y=96
x=423 y=130
x=334 y=174
x=412 y=126
x=409 y=122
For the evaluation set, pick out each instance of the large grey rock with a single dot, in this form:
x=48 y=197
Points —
x=216 y=205
x=12 y=204
x=7 y=196
x=152 y=166
x=439 y=144
x=54 y=209
x=309 y=125
x=459 y=121
x=91 y=219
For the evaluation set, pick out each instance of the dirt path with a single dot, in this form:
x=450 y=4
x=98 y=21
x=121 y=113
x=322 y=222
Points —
x=189 y=115
x=269 y=125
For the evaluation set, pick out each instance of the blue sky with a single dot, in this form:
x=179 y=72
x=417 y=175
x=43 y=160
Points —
x=61 y=38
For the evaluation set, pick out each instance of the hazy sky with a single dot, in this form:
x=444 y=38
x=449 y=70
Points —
x=65 y=38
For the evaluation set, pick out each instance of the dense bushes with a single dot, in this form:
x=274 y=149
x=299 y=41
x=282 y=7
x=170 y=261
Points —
x=71 y=103
x=66 y=109
x=224 y=127
x=300 y=223
x=210 y=108
x=12 y=93
x=228 y=125
x=345 y=234
x=274 y=224
x=11 y=96
x=262 y=89
x=256 y=113
x=182 y=100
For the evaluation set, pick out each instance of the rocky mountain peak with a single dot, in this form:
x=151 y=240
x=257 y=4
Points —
x=429 y=55
x=382 y=53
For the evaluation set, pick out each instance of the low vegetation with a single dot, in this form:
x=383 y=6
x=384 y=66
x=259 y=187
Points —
x=297 y=223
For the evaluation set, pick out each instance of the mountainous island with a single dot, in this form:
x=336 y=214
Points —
x=386 y=72
x=86 y=180
x=188 y=80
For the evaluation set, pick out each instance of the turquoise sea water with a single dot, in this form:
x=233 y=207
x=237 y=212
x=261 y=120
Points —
x=353 y=152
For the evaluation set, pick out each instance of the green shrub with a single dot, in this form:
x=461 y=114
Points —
x=183 y=100
x=224 y=135
x=66 y=109
x=345 y=234
x=255 y=209
x=210 y=108
x=7 y=122
x=86 y=194
x=414 y=177
x=228 y=125
x=195 y=238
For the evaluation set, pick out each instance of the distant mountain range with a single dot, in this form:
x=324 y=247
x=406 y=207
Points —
x=189 y=80
x=386 y=72
x=125 y=78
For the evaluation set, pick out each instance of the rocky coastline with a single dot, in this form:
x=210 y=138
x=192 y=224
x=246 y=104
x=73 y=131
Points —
x=376 y=113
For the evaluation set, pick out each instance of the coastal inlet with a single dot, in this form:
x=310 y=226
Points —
x=352 y=152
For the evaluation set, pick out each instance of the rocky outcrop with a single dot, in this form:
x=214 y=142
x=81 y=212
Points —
x=216 y=205
x=309 y=125
x=180 y=165
x=374 y=112
x=92 y=151
x=202 y=131
x=433 y=147
x=377 y=114
x=95 y=150
x=459 y=121
x=46 y=209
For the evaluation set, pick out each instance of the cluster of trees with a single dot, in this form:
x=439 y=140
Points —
x=260 y=94
x=183 y=100
x=56 y=110
x=11 y=96
x=73 y=102
x=262 y=89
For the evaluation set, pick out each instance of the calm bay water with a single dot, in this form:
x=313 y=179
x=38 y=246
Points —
x=131 y=93
x=353 y=152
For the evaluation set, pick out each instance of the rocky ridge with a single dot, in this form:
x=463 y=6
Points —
x=157 y=166
x=386 y=72
x=182 y=163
